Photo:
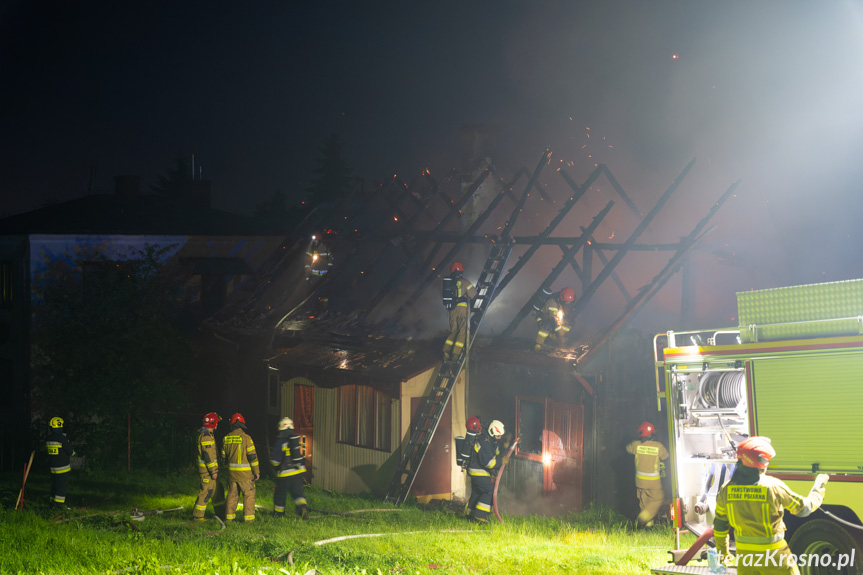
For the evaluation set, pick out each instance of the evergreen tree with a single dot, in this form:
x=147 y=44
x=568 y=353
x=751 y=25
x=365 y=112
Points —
x=333 y=178
x=176 y=182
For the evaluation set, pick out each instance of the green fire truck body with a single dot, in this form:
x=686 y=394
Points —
x=791 y=371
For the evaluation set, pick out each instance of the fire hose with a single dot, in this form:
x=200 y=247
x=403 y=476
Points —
x=497 y=478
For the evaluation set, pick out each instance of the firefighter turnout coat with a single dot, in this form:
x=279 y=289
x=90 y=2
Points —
x=649 y=454
x=241 y=460
x=208 y=469
x=551 y=321
x=454 y=344
x=483 y=463
x=290 y=467
x=755 y=512
x=60 y=461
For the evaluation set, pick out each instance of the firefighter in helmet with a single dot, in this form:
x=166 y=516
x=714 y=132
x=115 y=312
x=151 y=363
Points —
x=319 y=260
x=238 y=454
x=753 y=504
x=60 y=461
x=482 y=466
x=650 y=455
x=551 y=318
x=459 y=292
x=208 y=465
x=290 y=467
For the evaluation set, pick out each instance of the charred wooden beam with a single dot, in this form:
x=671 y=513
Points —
x=556 y=271
x=578 y=193
x=399 y=273
x=617 y=187
x=585 y=297
x=472 y=229
x=616 y=278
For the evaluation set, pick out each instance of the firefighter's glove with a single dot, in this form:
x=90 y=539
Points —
x=821 y=482
x=662 y=469
x=505 y=460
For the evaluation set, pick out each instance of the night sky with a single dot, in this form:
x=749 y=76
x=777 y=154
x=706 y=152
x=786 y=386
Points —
x=767 y=92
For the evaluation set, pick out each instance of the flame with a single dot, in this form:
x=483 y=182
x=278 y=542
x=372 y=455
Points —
x=546 y=458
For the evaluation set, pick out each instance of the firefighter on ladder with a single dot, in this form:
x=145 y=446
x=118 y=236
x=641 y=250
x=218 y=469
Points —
x=649 y=461
x=208 y=465
x=483 y=464
x=753 y=504
x=238 y=453
x=458 y=292
x=60 y=461
x=290 y=467
x=551 y=318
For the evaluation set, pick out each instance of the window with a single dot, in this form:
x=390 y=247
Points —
x=364 y=417
x=5 y=285
x=531 y=424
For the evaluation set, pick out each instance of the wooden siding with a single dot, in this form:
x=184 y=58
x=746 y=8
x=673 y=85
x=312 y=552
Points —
x=340 y=467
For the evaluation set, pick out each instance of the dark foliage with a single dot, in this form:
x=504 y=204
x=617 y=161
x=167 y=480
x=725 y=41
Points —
x=333 y=177
x=107 y=351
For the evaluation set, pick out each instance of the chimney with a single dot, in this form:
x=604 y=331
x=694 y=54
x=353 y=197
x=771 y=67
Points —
x=127 y=186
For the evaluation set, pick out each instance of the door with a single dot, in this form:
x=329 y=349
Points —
x=564 y=423
x=304 y=420
x=434 y=478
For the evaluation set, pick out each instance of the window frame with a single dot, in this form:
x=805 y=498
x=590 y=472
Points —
x=380 y=413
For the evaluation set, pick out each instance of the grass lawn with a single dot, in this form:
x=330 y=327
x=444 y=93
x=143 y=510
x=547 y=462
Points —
x=98 y=536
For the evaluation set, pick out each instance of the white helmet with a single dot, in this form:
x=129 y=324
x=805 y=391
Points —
x=495 y=428
x=286 y=423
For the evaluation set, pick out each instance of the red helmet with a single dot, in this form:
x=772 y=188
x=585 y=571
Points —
x=238 y=417
x=211 y=420
x=755 y=452
x=473 y=424
x=567 y=294
x=646 y=429
x=456 y=267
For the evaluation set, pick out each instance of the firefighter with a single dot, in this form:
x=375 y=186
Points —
x=753 y=503
x=238 y=453
x=59 y=460
x=319 y=260
x=208 y=464
x=650 y=456
x=462 y=293
x=551 y=318
x=290 y=467
x=482 y=466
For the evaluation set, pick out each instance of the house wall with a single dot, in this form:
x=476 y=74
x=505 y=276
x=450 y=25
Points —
x=494 y=387
x=420 y=386
x=340 y=467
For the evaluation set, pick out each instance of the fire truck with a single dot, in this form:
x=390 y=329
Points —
x=791 y=371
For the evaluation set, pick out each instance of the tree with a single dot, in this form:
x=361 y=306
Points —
x=176 y=182
x=106 y=348
x=333 y=178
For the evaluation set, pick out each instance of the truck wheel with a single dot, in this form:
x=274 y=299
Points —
x=826 y=546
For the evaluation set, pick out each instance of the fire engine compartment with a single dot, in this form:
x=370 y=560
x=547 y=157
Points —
x=708 y=412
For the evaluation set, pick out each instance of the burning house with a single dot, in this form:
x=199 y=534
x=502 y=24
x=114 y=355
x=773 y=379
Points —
x=354 y=356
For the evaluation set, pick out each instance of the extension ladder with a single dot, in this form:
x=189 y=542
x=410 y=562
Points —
x=430 y=413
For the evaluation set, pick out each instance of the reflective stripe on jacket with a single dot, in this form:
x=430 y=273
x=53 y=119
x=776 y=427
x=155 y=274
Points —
x=755 y=511
x=208 y=464
x=647 y=454
x=238 y=452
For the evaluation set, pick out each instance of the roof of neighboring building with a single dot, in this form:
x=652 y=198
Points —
x=149 y=214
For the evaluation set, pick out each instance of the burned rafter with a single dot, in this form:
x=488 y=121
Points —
x=556 y=271
x=664 y=275
x=399 y=273
x=579 y=191
x=585 y=297
x=474 y=227
x=616 y=278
